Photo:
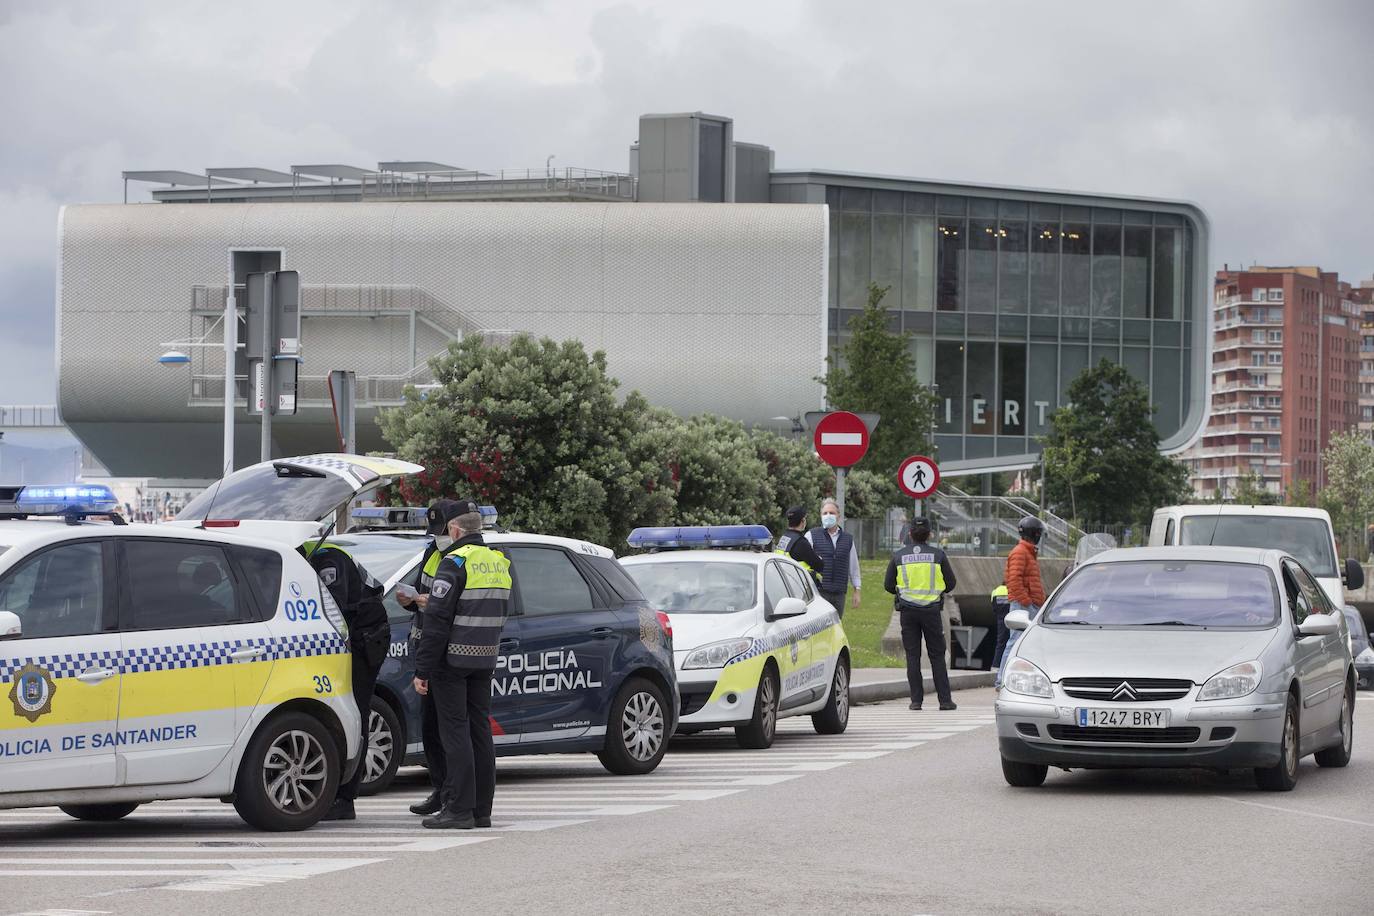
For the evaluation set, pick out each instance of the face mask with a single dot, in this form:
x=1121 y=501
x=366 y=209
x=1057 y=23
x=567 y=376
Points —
x=830 y=521
x=443 y=541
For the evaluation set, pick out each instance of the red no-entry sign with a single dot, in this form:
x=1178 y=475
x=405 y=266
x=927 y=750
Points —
x=841 y=439
x=918 y=476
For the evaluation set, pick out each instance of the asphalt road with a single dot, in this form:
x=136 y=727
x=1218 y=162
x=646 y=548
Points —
x=906 y=813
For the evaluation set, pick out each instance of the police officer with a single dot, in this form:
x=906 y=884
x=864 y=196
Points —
x=794 y=544
x=919 y=575
x=459 y=640
x=1001 y=603
x=436 y=526
x=359 y=597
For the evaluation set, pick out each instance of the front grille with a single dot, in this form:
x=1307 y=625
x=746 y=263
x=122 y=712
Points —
x=693 y=701
x=1029 y=729
x=1108 y=689
x=1125 y=735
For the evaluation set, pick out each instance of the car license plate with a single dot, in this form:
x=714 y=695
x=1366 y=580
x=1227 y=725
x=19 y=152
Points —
x=1122 y=718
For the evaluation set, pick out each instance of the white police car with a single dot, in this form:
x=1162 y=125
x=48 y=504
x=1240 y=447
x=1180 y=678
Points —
x=143 y=662
x=753 y=640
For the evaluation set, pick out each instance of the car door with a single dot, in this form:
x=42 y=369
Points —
x=1309 y=653
x=791 y=652
x=59 y=678
x=805 y=682
x=1334 y=648
x=566 y=639
x=188 y=636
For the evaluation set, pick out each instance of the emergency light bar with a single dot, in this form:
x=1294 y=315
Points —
x=389 y=517
x=690 y=537
x=489 y=516
x=74 y=502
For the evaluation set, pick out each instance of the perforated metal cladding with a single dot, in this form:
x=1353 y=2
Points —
x=701 y=307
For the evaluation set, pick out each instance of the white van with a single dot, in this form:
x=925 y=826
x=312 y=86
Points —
x=1305 y=533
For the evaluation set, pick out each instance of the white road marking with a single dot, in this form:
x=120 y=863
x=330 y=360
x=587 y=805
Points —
x=1325 y=817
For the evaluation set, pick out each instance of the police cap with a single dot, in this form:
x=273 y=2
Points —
x=438 y=514
x=795 y=515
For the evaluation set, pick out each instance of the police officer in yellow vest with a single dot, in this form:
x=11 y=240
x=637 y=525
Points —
x=440 y=542
x=919 y=575
x=459 y=641
x=1001 y=603
x=794 y=544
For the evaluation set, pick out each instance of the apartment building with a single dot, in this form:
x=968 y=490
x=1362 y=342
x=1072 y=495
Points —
x=1363 y=297
x=1286 y=367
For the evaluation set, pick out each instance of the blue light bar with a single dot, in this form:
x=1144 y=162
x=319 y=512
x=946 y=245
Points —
x=76 y=499
x=389 y=517
x=694 y=537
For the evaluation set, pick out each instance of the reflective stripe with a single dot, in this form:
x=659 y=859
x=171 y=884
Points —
x=474 y=621
x=920 y=581
x=470 y=650
x=474 y=594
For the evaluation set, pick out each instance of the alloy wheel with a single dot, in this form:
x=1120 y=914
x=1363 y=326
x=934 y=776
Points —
x=1348 y=723
x=1290 y=746
x=842 y=692
x=380 y=746
x=295 y=771
x=642 y=726
x=770 y=706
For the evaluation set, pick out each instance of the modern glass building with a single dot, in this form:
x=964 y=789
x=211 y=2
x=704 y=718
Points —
x=1010 y=293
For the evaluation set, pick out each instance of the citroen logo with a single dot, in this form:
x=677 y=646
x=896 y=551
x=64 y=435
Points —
x=1125 y=692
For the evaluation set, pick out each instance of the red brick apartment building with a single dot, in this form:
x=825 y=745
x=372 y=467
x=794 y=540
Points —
x=1286 y=376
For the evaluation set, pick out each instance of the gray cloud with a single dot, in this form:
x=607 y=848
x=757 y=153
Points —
x=1260 y=111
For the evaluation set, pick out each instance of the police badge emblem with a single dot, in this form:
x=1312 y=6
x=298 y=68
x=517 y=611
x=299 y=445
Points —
x=329 y=575
x=794 y=652
x=32 y=692
x=650 y=631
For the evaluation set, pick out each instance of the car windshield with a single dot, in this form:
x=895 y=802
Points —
x=262 y=493
x=1308 y=539
x=383 y=557
x=696 y=588
x=1167 y=593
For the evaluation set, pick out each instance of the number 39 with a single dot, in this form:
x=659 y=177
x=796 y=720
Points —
x=322 y=684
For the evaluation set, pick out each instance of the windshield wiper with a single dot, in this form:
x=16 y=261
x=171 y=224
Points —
x=1169 y=623
x=1072 y=623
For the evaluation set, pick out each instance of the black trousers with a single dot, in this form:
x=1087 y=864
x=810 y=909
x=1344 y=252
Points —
x=918 y=623
x=462 y=699
x=1000 y=611
x=364 y=686
x=835 y=598
x=434 y=744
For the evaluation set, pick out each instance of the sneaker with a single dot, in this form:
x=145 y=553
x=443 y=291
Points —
x=448 y=819
x=483 y=821
x=432 y=805
x=947 y=705
x=915 y=706
x=341 y=810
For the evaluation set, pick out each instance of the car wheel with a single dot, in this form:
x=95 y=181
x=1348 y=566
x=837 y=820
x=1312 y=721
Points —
x=1338 y=755
x=763 y=727
x=289 y=775
x=1283 y=776
x=110 y=812
x=1023 y=775
x=833 y=718
x=385 y=748
x=637 y=732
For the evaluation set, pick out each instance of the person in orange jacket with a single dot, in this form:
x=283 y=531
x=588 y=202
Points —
x=1025 y=588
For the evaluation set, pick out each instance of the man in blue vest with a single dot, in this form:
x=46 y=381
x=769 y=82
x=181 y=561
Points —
x=835 y=547
x=919 y=575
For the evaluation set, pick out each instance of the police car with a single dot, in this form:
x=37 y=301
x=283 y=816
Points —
x=753 y=640
x=142 y=662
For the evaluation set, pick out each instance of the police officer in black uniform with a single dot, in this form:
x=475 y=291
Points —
x=793 y=542
x=436 y=526
x=459 y=642
x=359 y=597
x=919 y=575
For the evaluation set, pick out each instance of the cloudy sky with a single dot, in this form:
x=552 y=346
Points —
x=1263 y=112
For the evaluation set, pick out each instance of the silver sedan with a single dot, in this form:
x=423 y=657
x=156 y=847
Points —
x=1215 y=657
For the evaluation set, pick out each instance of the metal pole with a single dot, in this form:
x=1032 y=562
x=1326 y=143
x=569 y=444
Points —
x=231 y=343
x=269 y=371
x=839 y=492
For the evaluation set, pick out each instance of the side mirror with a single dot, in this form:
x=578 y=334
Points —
x=1318 y=625
x=1354 y=574
x=1018 y=619
x=788 y=607
x=11 y=627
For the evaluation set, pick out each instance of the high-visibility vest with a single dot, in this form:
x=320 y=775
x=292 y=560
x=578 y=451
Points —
x=920 y=581
x=431 y=567
x=482 y=606
x=784 y=548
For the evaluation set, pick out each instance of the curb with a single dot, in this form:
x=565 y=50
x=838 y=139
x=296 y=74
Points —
x=896 y=689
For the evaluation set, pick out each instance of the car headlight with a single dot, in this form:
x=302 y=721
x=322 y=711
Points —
x=1366 y=656
x=716 y=654
x=1024 y=678
x=1236 y=681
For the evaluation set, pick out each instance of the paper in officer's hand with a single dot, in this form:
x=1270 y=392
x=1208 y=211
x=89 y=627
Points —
x=407 y=592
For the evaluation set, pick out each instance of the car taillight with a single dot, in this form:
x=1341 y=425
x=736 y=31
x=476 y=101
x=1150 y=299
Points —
x=665 y=623
x=220 y=523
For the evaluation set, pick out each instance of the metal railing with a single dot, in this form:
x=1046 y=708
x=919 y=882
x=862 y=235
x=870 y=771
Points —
x=531 y=183
x=986 y=525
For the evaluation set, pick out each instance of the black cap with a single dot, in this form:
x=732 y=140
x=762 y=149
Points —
x=465 y=507
x=795 y=515
x=920 y=521
x=437 y=516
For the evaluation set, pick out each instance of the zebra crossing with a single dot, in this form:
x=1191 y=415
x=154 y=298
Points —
x=202 y=847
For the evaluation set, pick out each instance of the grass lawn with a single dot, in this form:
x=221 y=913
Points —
x=866 y=624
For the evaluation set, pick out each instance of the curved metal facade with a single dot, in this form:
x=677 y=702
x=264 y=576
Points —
x=715 y=309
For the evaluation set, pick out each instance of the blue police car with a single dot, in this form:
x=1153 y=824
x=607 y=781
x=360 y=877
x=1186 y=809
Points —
x=586 y=664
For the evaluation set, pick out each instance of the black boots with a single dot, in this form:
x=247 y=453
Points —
x=432 y=805
x=947 y=705
x=341 y=810
x=448 y=819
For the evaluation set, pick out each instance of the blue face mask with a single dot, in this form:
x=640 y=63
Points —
x=830 y=521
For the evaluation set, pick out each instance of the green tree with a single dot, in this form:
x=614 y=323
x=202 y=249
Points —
x=1251 y=491
x=1349 y=492
x=875 y=371
x=1102 y=453
x=1298 y=493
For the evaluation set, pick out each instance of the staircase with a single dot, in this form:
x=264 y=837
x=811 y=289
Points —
x=986 y=525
